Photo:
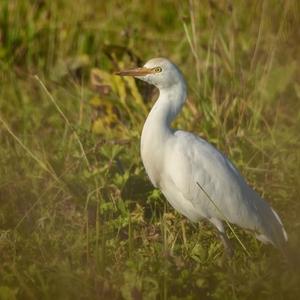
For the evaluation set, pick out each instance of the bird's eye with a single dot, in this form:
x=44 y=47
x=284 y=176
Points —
x=157 y=69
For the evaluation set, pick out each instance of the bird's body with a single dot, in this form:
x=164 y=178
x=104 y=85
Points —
x=179 y=163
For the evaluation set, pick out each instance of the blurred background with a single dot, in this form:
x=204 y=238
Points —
x=78 y=216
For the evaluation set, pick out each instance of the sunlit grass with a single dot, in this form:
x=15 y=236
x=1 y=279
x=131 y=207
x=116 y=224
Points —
x=78 y=216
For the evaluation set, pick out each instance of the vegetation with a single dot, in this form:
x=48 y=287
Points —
x=78 y=216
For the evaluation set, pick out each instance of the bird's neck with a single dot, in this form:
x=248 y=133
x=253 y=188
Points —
x=157 y=131
x=157 y=128
x=166 y=108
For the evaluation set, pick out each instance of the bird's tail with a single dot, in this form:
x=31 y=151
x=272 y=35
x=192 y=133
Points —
x=284 y=234
x=272 y=230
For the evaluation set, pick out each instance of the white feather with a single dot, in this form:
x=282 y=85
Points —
x=176 y=161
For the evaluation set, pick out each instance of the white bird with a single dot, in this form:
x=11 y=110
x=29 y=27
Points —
x=197 y=180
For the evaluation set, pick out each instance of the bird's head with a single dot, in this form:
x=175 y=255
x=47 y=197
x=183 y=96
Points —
x=160 y=72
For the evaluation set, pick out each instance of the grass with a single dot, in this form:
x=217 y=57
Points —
x=78 y=216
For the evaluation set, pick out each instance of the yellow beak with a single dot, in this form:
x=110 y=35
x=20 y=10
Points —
x=134 y=72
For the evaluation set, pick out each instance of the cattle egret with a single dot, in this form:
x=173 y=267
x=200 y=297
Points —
x=197 y=180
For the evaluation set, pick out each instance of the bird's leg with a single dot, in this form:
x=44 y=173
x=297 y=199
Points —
x=226 y=243
x=222 y=234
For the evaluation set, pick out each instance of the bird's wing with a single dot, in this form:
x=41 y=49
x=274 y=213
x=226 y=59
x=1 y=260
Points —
x=192 y=161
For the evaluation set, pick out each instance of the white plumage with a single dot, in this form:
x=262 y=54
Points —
x=177 y=162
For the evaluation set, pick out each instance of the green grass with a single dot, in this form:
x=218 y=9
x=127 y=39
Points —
x=78 y=216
